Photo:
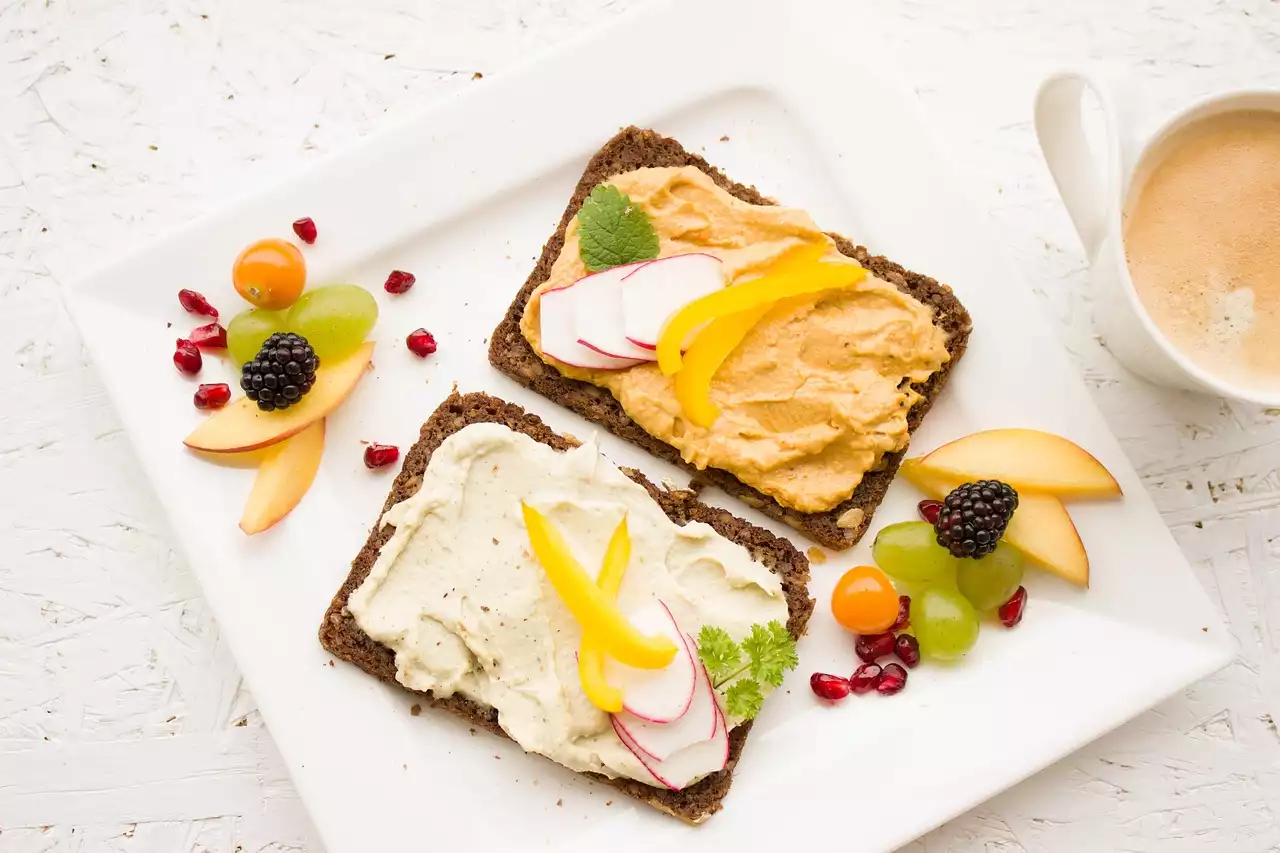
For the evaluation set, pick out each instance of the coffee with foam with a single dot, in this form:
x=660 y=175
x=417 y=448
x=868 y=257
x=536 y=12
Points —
x=1202 y=239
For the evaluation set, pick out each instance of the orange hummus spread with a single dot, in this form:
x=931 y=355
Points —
x=817 y=392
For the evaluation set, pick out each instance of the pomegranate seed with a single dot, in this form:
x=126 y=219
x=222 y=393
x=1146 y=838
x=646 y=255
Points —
x=872 y=647
x=195 y=303
x=907 y=648
x=830 y=687
x=379 y=455
x=892 y=679
x=212 y=336
x=212 y=396
x=1010 y=612
x=305 y=228
x=399 y=281
x=930 y=510
x=865 y=678
x=904 y=615
x=186 y=357
x=421 y=343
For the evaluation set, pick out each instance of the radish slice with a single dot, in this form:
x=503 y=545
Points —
x=715 y=703
x=660 y=288
x=560 y=336
x=660 y=741
x=598 y=314
x=656 y=695
x=691 y=763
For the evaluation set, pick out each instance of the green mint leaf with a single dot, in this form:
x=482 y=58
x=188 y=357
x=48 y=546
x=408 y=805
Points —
x=771 y=651
x=718 y=651
x=743 y=699
x=613 y=231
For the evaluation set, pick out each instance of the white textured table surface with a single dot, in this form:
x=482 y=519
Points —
x=123 y=723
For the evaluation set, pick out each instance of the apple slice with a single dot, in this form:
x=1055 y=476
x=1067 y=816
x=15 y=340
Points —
x=687 y=765
x=658 y=289
x=283 y=478
x=660 y=741
x=1040 y=528
x=559 y=331
x=598 y=314
x=243 y=426
x=1025 y=459
x=656 y=695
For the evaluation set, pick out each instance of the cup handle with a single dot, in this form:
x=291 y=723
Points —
x=1089 y=189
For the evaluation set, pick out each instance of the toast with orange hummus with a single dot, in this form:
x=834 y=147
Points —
x=795 y=365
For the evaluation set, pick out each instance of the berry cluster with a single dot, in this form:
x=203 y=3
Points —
x=973 y=517
x=281 y=373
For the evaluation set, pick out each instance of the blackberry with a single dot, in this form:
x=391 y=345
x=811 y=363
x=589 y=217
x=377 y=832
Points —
x=281 y=373
x=974 y=516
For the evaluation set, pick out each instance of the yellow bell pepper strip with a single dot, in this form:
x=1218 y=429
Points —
x=705 y=355
x=791 y=280
x=805 y=255
x=591 y=655
x=588 y=604
x=616 y=559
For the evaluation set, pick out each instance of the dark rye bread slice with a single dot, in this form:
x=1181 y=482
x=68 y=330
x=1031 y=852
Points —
x=340 y=634
x=838 y=528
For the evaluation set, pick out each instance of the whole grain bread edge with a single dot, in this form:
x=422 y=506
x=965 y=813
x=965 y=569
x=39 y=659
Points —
x=343 y=638
x=509 y=352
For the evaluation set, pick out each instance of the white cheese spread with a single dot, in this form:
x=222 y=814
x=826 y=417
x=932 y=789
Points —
x=459 y=597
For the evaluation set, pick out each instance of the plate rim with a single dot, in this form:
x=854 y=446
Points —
x=79 y=292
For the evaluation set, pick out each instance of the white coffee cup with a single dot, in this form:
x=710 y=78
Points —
x=1094 y=190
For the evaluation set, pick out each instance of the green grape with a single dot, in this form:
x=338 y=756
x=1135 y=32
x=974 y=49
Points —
x=248 y=329
x=991 y=580
x=909 y=551
x=946 y=579
x=944 y=622
x=334 y=319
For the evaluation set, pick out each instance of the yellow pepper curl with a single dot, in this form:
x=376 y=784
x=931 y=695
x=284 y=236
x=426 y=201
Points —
x=729 y=314
x=596 y=613
x=591 y=655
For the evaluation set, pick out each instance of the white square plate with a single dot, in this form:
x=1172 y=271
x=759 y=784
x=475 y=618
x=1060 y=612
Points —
x=464 y=196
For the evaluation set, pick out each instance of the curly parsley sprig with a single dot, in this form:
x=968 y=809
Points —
x=769 y=652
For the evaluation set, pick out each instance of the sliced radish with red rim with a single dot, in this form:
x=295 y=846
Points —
x=660 y=741
x=658 y=289
x=598 y=314
x=687 y=765
x=656 y=695
x=559 y=333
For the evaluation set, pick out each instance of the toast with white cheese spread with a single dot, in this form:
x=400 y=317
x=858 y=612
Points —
x=342 y=636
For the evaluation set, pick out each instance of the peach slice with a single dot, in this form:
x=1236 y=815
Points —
x=1025 y=459
x=283 y=478
x=242 y=426
x=1041 y=528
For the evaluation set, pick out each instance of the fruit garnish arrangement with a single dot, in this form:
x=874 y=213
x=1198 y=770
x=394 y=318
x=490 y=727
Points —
x=661 y=686
x=299 y=353
x=994 y=507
